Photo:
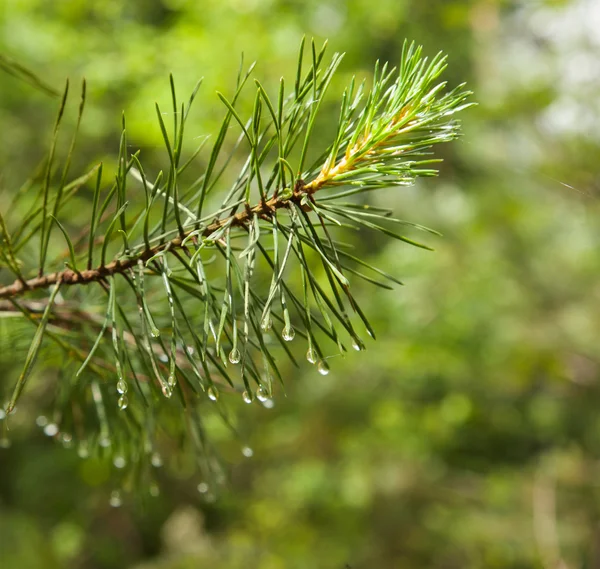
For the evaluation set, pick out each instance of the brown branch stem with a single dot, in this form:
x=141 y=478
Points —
x=69 y=277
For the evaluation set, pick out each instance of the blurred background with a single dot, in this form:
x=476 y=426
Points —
x=468 y=435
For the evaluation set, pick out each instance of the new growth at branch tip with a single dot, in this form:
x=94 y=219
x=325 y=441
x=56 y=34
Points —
x=231 y=251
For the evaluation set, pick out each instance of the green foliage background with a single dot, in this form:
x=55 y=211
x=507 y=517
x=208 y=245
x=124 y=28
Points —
x=468 y=435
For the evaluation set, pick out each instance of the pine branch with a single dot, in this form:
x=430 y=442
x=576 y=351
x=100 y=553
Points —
x=263 y=210
x=189 y=304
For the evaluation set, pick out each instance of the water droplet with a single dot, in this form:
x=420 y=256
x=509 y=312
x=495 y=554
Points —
x=357 y=344
x=2 y=414
x=266 y=324
x=66 y=439
x=203 y=487
x=122 y=386
x=247 y=396
x=268 y=404
x=171 y=381
x=262 y=394
x=154 y=332
x=212 y=392
x=83 y=451
x=163 y=358
x=247 y=452
x=104 y=442
x=123 y=402
x=190 y=350
x=4 y=442
x=288 y=333
x=311 y=356
x=234 y=356
x=323 y=368
x=154 y=490
x=115 y=499
x=41 y=421
x=156 y=460
x=119 y=461
x=370 y=334
x=51 y=430
x=167 y=390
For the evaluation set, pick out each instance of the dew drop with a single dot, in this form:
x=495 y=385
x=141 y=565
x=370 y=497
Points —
x=268 y=404
x=119 y=461
x=262 y=394
x=155 y=332
x=154 y=490
x=4 y=442
x=247 y=452
x=311 y=356
x=2 y=414
x=122 y=386
x=41 y=421
x=171 y=381
x=123 y=402
x=163 y=358
x=190 y=350
x=51 y=430
x=288 y=333
x=115 y=499
x=323 y=368
x=66 y=439
x=203 y=487
x=212 y=392
x=266 y=324
x=167 y=390
x=104 y=442
x=156 y=460
x=357 y=344
x=234 y=356
x=247 y=396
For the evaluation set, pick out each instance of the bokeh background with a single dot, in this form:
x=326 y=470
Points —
x=468 y=435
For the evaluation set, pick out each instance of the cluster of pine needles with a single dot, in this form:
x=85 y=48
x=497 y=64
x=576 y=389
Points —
x=180 y=291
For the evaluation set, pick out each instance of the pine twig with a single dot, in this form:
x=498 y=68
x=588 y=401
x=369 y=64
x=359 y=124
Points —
x=264 y=210
x=169 y=343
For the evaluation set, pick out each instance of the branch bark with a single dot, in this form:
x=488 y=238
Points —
x=69 y=277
